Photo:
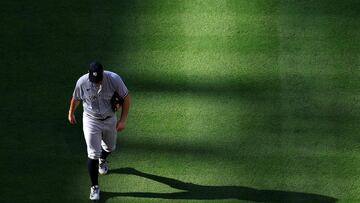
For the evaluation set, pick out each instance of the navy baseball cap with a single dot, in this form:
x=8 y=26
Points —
x=96 y=72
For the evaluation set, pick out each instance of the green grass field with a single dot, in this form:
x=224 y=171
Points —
x=247 y=100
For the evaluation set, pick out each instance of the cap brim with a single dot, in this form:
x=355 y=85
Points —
x=95 y=79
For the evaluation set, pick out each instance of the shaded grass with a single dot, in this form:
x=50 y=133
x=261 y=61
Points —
x=202 y=192
x=258 y=94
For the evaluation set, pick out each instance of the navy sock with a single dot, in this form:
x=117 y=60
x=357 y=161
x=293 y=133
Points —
x=93 y=165
x=104 y=154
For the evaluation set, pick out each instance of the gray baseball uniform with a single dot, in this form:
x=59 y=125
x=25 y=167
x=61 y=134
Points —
x=99 y=120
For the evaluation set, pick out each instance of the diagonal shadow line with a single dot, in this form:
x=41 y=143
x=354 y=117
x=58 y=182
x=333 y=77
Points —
x=201 y=192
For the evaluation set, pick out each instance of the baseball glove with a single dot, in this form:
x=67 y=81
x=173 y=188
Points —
x=116 y=101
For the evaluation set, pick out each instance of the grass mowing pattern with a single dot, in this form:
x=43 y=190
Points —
x=258 y=94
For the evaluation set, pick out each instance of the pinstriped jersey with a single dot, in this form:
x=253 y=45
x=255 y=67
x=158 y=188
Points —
x=96 y=97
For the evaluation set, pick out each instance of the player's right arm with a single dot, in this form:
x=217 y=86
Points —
x=76 y=100
x=73 y=106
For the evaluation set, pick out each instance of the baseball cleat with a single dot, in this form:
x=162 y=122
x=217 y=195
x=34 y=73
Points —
x=94 y=192
x=103 y=168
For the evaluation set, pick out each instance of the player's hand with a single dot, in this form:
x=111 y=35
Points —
x=120 y=126
x=118 y=106
x=71 y=118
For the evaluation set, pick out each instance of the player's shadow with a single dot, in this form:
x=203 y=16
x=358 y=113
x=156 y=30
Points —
x=192 y=191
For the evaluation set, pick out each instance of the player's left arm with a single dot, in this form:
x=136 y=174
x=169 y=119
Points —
x=123 y=92
x=124 y=113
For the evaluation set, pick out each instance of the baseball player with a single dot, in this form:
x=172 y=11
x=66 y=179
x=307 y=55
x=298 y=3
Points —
x=101 y=93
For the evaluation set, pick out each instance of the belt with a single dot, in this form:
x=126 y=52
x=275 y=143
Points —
x=100 y=119
x=103 y=119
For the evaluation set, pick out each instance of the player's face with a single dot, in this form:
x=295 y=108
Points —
x=98 y=83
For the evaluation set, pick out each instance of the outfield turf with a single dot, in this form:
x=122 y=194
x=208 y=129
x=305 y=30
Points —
x=247 y=100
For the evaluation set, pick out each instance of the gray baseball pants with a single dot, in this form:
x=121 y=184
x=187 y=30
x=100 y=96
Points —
x=99 y=134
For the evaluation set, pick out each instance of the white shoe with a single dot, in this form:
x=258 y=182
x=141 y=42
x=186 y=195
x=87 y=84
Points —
x=103 y=168
x=94 y=192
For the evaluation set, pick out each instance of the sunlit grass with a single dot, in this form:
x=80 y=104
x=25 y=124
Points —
x=259 y=94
